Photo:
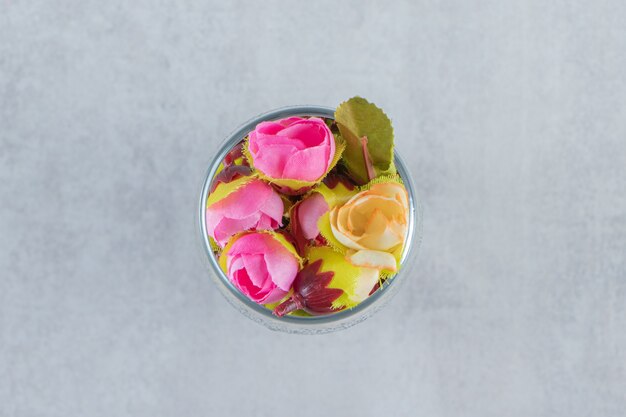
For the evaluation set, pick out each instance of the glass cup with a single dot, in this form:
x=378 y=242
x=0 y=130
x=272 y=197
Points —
x=315 y=324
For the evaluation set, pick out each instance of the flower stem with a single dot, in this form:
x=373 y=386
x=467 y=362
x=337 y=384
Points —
x=369 y=167
x=291 y=304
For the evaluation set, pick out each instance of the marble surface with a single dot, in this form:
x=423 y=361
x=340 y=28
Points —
x=512 y=118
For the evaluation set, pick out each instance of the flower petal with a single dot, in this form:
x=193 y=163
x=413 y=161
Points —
x=234 y=263
x=266 y=223
x=272 y=163
x=385 y=241
x=243 y=210
x=377 y=222
x=268 y=128
x=274 y=295
x=228 y=227
x=342 y=238
x=307 y=165
x=249 y=244
x=256 y=269
x=273 y=207
x=279 y=142
x=282 y=266
x=309 y=212
x=373 y=259
x=392 y=190
x=242 y=281
x=289 y=121
x=305 y=132
x=364 y=284
x=244 y=202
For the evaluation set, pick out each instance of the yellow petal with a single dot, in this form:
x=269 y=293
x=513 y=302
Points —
x=383 y=241
x=356 y=220
x=400 y=229
x=360 y=213
x=342 y=238
x=393 y=190
x=373 y=259
x=342 y=219
x=377 y=223
x=364 y=284
x=363 y=212
x=389 y=206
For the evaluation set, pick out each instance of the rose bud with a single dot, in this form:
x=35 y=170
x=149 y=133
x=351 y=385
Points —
x=262 y=265
x=310 y=292
x=244 y=204
x=294 y=153
x=373 y=224
x=327 y=284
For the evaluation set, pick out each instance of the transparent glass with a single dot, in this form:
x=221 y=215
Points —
x=317 y=324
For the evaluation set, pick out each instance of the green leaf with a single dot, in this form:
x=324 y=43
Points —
x=368 y=134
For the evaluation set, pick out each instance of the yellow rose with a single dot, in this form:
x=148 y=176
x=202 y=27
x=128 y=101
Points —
x=373 y=224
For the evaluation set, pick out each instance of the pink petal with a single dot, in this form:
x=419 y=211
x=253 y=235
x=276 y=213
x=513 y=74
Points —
x=253 y=146
x=267 y=287
x=256 y=269
x=259 y=295
x=242 y=210
x=245 y=201
x=272 y=161
x=249 y=279
x=220 y=228
x=267 y=128
x=307 y=165
x=309 y=212
x=274 y=140
x=251 y=244
x=267 y=223
x=264 y=223
x=281 y=265
x=212 y=218
x=242 y=280
x=233 y=263
x=289 y=121
x=274 y=208
x=274 y=295
x=331 y=150
x=228 y=227
x=306 y=133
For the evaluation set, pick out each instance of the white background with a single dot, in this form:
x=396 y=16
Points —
x=510 y=114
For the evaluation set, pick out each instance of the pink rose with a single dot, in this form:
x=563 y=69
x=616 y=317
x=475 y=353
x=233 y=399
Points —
x=293 y=148
x=261 y=267
x=255 y=205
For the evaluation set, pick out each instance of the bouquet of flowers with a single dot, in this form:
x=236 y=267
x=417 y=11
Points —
x=307 y=215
